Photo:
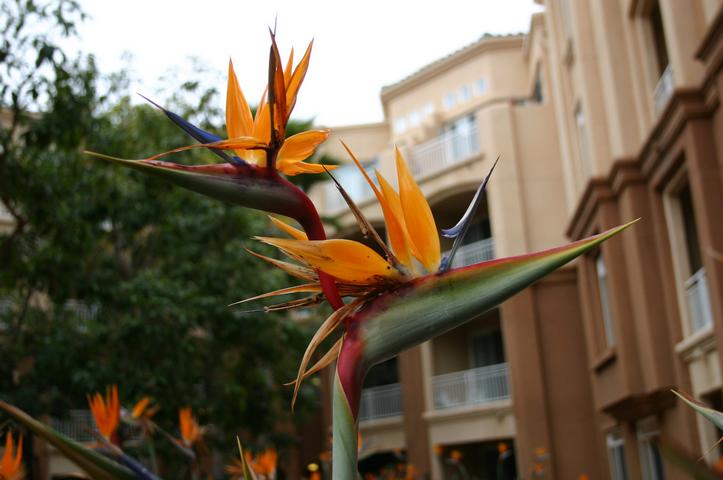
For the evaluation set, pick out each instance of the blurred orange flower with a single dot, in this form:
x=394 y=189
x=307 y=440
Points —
x=106 y=411
x=11 y=463
x=190 y=430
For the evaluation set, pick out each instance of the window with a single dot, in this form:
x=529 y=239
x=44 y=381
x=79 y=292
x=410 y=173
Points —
x=583 y=141
x=602 y=286
x=353 y=182
x=616 y=457
x=651 y=462
x=692 y=245
x=465 y=93
x=480 y=86
x=461 y=138
x=450 y=100
x=487 y=348
x=400 y=125
x=537 y=95
x=414 y=119
x=427 y=109
x=658 y=35
x=696 y=284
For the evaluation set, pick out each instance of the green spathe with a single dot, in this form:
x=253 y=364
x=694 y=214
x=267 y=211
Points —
x=438 y=303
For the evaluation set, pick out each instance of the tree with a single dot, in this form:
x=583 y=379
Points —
x=104 y=286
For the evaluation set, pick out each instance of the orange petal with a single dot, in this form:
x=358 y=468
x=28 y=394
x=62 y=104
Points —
x=277 y=90
x=395 y=206
x=285 y=227
x=239 y=122
x=287 y=70
x=8 y=453
x=394 y=228
x=294 y=84
x=299 y=147
x=297 y=168
x=346 y=260
x=303 y=273
x=418 y=217
x=18 y=454
x=262 y=127
x=140 y=407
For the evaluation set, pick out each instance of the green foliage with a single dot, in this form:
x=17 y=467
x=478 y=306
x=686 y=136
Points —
x=108 y=276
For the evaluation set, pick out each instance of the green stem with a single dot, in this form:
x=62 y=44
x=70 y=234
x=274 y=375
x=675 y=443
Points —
x=152 y=454
x=345 y=430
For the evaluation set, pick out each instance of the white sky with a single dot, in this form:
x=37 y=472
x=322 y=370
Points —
x=358 y=46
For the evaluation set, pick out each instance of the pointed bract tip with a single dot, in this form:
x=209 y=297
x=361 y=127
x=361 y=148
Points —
x=150 y=101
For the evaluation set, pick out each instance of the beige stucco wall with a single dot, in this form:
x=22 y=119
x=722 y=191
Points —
x=382 y=435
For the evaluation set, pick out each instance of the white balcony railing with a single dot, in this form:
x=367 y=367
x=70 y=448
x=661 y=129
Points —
x=445 y=150
x=380 y=402
x=698 y=299
x=664 y=89
x=474 y=252
x=79 y=426
x=353 y=182
x=471 y=387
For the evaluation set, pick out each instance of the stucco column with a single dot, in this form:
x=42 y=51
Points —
x=524 y=357
x=411 y=377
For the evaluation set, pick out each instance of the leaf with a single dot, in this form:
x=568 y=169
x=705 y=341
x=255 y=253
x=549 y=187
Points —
x=713 y=416
x=95 y=464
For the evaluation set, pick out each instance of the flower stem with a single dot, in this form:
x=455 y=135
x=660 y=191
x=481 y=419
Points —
x=310 y=221
x=344 y=437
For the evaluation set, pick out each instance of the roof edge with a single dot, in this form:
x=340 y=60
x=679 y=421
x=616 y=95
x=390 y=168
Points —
x=486 y=42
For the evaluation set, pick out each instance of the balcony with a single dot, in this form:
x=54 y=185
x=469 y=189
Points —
x=79 y=426
x=474 y=252
x=353 y=182
x=380 y=402
x=471 y=387
x=664 y=89
x=698 y=299
x=440 y=152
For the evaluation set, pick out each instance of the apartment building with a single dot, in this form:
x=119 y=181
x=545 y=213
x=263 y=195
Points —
x=605 y=111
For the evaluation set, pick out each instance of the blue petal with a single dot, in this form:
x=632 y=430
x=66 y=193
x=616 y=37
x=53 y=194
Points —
x=197 y=133
x=458 y=231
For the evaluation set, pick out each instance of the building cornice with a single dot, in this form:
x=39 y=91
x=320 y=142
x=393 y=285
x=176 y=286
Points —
x=358 y=126
x=712 y=40
x=486 y=43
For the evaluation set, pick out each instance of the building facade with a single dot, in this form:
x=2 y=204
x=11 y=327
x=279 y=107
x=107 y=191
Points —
x=605 y=111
